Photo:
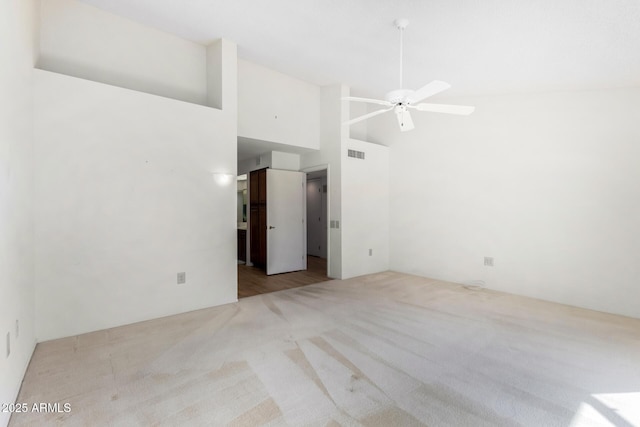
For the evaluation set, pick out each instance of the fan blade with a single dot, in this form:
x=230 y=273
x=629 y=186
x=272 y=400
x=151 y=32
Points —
x=367 y=116
x=431 y=89
x=404 y=119
x=369 y=100
x=462 y=110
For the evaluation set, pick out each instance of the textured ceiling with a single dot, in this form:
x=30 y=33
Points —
x=480 y=47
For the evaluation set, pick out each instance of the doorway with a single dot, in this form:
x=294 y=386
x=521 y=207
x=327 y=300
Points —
x=317 y=214
x=252 y=276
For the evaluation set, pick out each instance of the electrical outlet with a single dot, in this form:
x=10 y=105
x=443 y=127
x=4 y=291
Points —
x=8 y=343
x=488 y=261
x=182 y=278
x=17 y=328
x=370 y=252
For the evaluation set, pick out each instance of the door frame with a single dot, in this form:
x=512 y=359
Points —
x=317 y=168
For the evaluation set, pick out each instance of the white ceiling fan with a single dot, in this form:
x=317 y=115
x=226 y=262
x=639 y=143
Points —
x=402 y=100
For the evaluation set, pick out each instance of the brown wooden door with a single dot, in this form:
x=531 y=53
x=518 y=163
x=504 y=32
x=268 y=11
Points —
x=258 y=217
x=262 y=186
x=254 y=188
x=262 y=231
x=254 y=236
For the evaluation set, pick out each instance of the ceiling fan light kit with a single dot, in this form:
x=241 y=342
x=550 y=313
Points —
x=401 y=100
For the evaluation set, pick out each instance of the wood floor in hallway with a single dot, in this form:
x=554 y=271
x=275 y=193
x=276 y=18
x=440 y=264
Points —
x=254 y=281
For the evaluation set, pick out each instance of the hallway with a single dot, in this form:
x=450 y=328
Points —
x=254 y=281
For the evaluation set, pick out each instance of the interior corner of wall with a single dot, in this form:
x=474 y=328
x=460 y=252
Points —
x=222 y=76
x=345 y=112
x=37 y=23
x=230 y=77
x=214 y=74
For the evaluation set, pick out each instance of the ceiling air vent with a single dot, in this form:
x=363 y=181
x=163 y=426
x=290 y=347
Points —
x=356 y=154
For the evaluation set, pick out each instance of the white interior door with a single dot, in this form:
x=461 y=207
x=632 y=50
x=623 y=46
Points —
x=286 y=225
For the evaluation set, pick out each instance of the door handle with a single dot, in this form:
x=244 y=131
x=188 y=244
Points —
x=271 y=227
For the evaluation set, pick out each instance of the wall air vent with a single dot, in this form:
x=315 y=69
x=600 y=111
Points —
x=356 y=154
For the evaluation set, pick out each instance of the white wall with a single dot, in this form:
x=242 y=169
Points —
x=222 y=77
x=278 y=108
x=359 y=130
x=365 y=209
x=18 y=35
x=83 y=41
x=272 y=159
x=547 y=184
x=125 y=200
x=285 y=161
x=332 y=133
x=358 y=191
x=248 y=165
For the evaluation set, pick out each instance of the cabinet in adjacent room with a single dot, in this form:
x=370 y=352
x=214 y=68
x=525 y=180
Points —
x=258 y=217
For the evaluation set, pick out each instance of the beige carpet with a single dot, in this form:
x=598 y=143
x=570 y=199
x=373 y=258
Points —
x=382 y=350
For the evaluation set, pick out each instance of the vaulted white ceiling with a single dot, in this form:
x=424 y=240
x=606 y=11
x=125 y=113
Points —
x=480 y=47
